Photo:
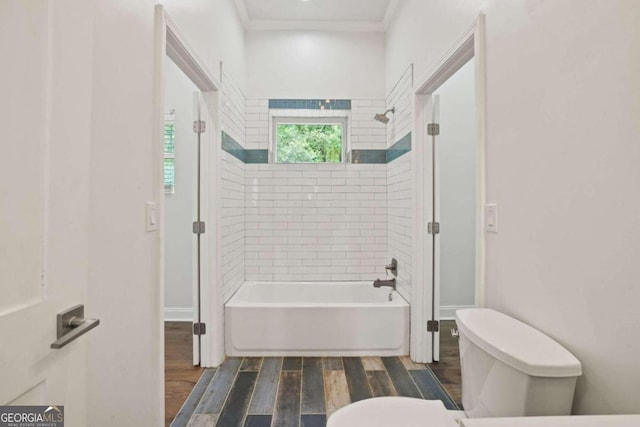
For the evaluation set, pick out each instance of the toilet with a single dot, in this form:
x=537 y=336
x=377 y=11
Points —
x=510 y=371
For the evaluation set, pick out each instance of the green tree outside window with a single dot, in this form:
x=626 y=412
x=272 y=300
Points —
x=309 y=143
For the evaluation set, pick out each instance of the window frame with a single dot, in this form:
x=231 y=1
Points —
x=299 y=120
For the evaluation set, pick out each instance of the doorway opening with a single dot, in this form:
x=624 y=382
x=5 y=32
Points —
x=181 y=246
x=450 y=183
x=187 y=155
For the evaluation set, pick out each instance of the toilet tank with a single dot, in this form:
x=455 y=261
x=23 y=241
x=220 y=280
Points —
x=510 y=369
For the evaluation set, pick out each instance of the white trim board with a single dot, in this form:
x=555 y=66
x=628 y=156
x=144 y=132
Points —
x=338 y=26
x=184 y=56
x=448 y=312
x=177 y=314
x=255 y=25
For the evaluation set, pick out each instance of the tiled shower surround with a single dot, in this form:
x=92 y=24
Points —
x=400 y=182
x=317 y=222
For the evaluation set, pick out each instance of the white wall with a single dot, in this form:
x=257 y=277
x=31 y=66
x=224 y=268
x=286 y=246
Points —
x=421 y=31
x=179 y=207
x=312 y=64
x=458 y=167
x=125 y=362
x=214 y=29
x=562 y=156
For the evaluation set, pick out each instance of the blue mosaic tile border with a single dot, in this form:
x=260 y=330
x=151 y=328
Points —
x=245 y=156
x=399 y=148
x=232 y=147
x=310 y=104
x=368 y=156
x=256 y=156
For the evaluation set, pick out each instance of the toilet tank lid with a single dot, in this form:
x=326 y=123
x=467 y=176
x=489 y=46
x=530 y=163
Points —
x=517 y=344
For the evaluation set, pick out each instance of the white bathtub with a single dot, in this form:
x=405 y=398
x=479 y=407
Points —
x=316 y=319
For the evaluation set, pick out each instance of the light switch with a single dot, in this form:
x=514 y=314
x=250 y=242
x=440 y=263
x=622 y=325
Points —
x=152 y=216
x=491 y=218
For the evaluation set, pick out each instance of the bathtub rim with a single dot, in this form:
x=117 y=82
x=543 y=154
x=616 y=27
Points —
x=235 y=302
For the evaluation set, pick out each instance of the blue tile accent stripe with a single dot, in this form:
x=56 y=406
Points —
x=256 y=156
x=368 y=156
x=310 y=104
x=232 y=147
x=401 y=147
x=245 y=156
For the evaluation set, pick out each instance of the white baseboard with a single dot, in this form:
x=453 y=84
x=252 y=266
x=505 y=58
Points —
x=172 y=314
x=448 y=312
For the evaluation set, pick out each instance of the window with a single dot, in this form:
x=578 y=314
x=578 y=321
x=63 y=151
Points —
x=169 y=154
x=309 y=140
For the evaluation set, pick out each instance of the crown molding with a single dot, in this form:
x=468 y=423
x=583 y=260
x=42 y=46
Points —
x=302 y=25
x=390 y=13
x=346 y=26
x=241 y=8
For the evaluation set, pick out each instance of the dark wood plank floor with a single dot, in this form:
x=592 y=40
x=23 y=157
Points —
x=296 y=391
x=180 y=376
x=447 y=370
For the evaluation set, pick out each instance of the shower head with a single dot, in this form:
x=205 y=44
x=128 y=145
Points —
x=382 y=118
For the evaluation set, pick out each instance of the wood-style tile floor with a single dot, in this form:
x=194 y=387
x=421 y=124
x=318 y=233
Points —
x=448 y=368
x=304 y=391
x=180 y=376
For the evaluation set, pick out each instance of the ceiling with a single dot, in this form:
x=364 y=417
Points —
x=356 y=15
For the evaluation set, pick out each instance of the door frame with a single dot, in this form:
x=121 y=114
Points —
x=471 y=44
x=170 y=41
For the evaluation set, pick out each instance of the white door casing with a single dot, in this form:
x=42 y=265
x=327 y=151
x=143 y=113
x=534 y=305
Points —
x=172 y=43
x=199 y=340
x=212 y=304
x=46 y=50
x=424 y=345
x=435 y=217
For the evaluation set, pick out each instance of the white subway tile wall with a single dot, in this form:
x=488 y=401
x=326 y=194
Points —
x=366 y=133
x=400 y=218
x=400 y=183
x=257 y=124
x=233 y=110
x=233 y=189
x=400 y=97
x=315 y=222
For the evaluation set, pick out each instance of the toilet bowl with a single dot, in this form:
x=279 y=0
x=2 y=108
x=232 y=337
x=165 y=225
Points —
x=412 y=412
x=393 y=412
x=509 y=369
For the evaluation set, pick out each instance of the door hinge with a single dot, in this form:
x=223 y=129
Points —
x=433 y=129
x=433 y=228
x=198 y=227
x=199 y=329
x=433 y=326
x=199 y=126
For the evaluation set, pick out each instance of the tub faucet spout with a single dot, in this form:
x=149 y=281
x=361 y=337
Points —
x=391 y=283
